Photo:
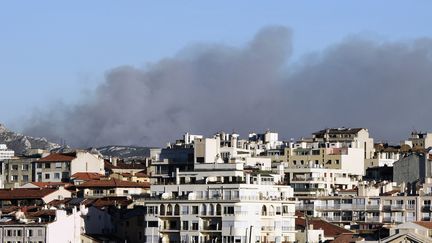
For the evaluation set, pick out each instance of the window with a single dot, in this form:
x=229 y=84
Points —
x=14 y=167
x=39 y=165
x=194 y=225
x=194 y=209
x=47 y=176
x=14 y=178
x=185 y=225
x=125 y=191
x=29 y=232
x=228 y=210
x=97 y=191
x=152 y=223
x=185 y=210
x=56 y=175
x=112 y=191
x=25 y=167
x=47 y=165
x=25 y=178
x=58 y=165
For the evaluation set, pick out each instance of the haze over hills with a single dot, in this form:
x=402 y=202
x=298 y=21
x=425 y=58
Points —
x=21 y=143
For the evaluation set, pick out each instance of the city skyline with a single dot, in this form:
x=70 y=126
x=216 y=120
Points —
x=368 y=71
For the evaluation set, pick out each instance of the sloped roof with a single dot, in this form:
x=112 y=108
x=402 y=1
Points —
x=41 y=184
x=426 y=224
x=86 y=176
x=112 y=183
x=25 y=193
x=330 y=230
x=55 y=157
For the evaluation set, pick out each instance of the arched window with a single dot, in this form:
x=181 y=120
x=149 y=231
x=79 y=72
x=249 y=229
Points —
x=176 y=209
x=169 y=209
x=218 y=209
x=162 y=209
x=264 y=210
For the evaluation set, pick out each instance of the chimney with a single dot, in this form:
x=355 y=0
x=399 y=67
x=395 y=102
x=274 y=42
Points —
x=114 y=161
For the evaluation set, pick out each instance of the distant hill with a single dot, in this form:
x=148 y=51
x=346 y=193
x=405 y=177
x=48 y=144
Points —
x=21 y=143
x=125 y=152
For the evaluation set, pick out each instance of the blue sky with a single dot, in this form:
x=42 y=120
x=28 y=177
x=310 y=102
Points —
x=53 y=51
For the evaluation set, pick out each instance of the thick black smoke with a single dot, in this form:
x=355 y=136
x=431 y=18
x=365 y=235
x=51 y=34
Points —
x=385 y=87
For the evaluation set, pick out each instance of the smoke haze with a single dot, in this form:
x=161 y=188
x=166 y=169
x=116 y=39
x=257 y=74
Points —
x=383 y=86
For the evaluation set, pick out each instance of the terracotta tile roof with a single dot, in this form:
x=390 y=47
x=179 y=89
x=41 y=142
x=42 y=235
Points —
x=330 y=230
x=347 y=238
x=25 y=193
x=86 y=176
x=57 y=158
x=426 y=224
x=110 y=201
x=41 y=213
x=50 y=184
x=112 y=183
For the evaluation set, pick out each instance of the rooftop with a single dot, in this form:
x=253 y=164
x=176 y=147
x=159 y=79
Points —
x=113 y=183
x=55 y=157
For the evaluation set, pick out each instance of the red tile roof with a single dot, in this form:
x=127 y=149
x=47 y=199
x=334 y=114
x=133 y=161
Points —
x=330 y=230
x=112 y=183
x=25 y=193
x=426 y=224
x=347 y=238
x=57 y=158
x=86 y=176
x=50 y=184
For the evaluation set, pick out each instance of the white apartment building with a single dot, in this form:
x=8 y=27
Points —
x=370 y=207
x=6 y=153
x=47 y=226
x=220 y=202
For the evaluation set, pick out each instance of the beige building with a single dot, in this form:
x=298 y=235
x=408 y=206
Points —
x=58 y=167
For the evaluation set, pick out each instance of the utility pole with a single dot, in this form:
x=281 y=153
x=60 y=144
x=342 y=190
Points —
x=246 y=234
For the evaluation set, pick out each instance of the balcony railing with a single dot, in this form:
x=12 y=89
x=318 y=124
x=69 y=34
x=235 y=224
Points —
x=397 y=206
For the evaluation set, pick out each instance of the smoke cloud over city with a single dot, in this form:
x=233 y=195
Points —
x=383 y=86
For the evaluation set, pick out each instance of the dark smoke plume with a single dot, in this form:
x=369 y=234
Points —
x=384 y=86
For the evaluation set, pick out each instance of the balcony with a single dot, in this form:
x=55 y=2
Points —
x=373 y=207
x=287 y=228
x=426 y=207
x=305 y=207
x=267 y=228
x=410 y=206
x=373 y=219
x=397 y=207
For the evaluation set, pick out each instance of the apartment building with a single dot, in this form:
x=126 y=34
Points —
x=5 y=153
x=314 y=168
x=17 y=171
x=220 y=202
x=58 y=167
x=348 y=137
x=45 y=225
x=420 y=140
x=111 y=188
x=371 y=207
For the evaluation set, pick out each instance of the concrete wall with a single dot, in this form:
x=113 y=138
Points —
x=409 y=169
x=87 y=162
